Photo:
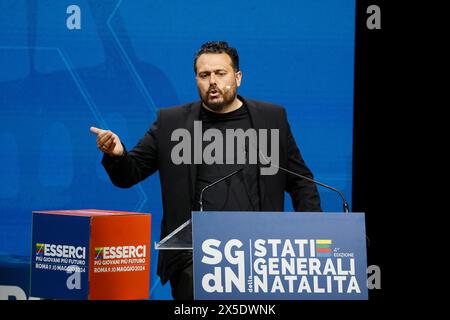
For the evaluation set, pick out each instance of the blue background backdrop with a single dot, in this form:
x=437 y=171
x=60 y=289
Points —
x=132 y=57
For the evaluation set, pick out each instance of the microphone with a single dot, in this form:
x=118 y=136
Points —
x=345 y=205
x=200 y=201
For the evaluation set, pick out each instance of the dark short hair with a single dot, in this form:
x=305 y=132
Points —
x=218 y=47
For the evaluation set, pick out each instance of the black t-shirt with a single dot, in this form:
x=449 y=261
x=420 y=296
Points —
x=239 y=192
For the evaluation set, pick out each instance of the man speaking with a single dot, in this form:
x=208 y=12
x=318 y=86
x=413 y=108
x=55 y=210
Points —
x=221 y=117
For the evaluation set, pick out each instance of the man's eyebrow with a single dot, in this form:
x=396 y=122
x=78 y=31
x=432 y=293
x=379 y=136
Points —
x=216 y=70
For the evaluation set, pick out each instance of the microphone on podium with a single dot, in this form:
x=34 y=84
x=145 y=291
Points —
x=345 y=205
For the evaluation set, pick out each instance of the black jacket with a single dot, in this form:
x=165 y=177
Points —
x=153 y=152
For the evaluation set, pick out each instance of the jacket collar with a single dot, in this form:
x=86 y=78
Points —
x=257 y=120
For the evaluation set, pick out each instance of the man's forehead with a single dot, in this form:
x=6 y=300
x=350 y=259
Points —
x=214 y=61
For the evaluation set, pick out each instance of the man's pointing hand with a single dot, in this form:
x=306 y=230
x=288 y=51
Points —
x=108 y=142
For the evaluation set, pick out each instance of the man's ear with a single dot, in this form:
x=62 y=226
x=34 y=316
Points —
x=238 y=76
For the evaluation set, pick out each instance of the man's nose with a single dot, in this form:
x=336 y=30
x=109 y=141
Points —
x=212 y=78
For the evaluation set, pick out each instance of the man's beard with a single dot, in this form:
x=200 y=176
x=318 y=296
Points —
x=228 y=97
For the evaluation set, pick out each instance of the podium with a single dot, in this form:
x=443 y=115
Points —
x=274 y=255
x=90 y=255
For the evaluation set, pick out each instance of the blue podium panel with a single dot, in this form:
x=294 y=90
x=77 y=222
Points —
x=279 y=256
x=60 y=245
